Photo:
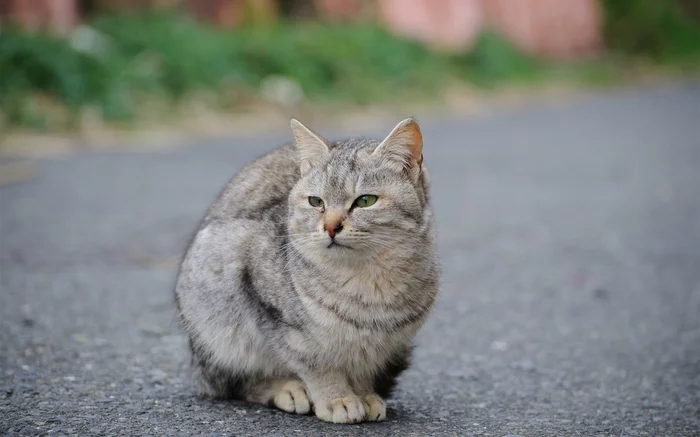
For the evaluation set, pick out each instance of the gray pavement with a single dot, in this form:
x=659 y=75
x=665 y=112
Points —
x=570 y=306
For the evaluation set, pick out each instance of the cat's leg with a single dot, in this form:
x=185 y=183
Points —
x=286 y=394
x=374 y=390
x=215 y=382
x=385 y=379
x=333 y=398
x=374 y=404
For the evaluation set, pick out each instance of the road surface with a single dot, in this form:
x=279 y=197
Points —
x=570 y=304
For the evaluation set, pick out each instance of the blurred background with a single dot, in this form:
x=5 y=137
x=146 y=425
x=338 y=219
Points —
x=76 y=65
x=563 y=142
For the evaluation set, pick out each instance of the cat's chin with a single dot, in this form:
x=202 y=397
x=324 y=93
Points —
x=338 y=246
x=339 y=253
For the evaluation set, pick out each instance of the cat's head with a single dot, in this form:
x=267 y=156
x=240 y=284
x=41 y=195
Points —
x=358 y=199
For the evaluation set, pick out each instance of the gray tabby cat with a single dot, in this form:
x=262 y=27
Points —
x=310 y=275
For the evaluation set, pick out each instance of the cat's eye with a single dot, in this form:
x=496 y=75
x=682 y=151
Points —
x=316 y=202
x=365 y=200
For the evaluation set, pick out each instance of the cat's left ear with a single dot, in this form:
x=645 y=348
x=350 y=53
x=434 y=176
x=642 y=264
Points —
x=404 y=146
x=313 y=149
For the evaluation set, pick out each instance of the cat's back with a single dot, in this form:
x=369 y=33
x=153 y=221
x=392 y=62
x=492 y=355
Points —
x=239 y=245
x=260 y=190
x=243 y=232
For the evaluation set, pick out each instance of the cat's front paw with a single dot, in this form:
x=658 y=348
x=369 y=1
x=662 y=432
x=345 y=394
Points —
x=376 y=408
x=350 y=409
x=292 y=398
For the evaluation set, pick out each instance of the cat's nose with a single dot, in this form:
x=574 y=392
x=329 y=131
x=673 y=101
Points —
x=334 y=228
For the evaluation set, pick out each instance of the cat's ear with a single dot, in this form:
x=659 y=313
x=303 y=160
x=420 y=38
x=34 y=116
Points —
x=404 y=146
x=313 y=149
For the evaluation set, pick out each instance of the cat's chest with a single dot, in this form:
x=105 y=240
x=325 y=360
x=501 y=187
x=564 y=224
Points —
x=372 y=287
x=356 y=322
x=348 y=347
x=366 y=301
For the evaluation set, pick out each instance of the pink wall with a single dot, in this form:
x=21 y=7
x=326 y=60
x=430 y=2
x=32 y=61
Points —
x=57 y=15
x=447 y=24
x=549 y=28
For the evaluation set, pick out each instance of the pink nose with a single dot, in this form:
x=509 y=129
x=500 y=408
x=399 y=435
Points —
x=333 y=228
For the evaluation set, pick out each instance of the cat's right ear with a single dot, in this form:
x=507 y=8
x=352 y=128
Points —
x=313 y=149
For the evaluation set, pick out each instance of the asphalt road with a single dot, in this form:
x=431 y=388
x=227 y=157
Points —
x=570 y=306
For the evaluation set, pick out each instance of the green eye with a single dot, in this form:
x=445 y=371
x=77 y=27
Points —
x=365 y=200
x=316 y=202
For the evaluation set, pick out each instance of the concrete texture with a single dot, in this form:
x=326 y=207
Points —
x=569 y=235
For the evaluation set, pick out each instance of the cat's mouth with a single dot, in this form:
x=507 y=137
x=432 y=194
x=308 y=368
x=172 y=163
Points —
x=336 y=244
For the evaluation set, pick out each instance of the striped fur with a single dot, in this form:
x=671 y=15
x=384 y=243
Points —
x=278 y=312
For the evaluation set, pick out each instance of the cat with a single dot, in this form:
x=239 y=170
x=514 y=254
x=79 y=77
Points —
x=311 y=274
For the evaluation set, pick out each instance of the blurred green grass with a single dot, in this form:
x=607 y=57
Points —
x=658 y=30
x=169 y=57
x=119 y=66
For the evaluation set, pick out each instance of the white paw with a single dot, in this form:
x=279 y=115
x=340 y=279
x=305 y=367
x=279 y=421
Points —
x=349 y=409
x=292 y=398
x=376 y=408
